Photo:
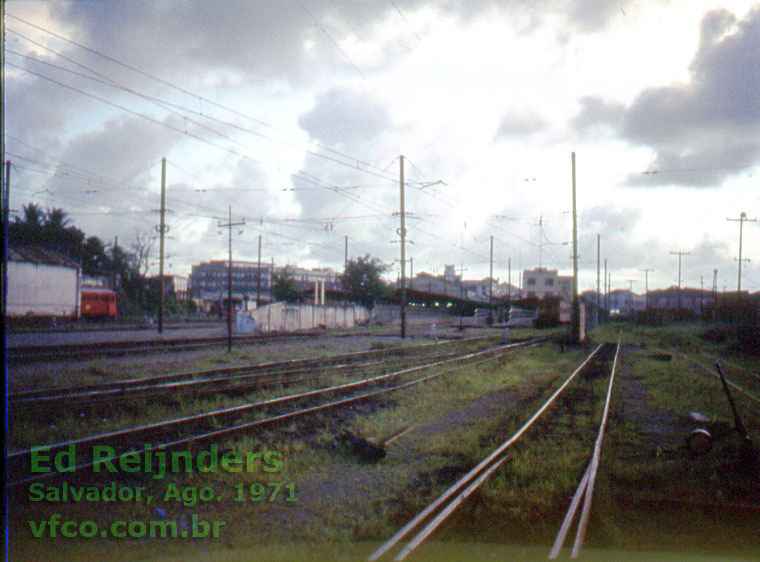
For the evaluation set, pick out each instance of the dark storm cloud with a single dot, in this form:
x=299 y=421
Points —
x=703 y=131
x=119 y=147
x=37 y=110
x=263 y=40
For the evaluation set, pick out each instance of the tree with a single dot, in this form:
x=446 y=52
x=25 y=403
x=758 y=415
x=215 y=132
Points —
x=362 y=280
x=141 y=251
x=284 y=287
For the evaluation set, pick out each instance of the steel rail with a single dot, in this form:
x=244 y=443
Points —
x=233 y=429
x=244 y=407
x=270 y=366
x=449 y=509
x=730 y=383
x=585 y=488
x=32 y=353
x=134 y=391
x=224 y=384
x=474 y=472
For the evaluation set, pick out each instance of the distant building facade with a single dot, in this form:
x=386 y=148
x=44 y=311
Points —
x=41 y=282
x=673 y=297
x=542 y=282
x=208 y=281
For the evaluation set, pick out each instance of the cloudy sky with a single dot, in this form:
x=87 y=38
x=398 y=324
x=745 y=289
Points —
x=295 y=112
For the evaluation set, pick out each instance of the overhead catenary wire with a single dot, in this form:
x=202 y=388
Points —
x=186 y=91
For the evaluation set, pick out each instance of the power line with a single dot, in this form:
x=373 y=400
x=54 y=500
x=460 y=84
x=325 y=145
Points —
x=358 y=162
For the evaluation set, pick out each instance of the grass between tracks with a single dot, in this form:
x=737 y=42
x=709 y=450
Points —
x=458 y=419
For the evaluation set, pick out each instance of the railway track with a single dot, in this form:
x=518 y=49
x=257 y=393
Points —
x=710 y=370
x=234 y=380
x=187 y=430
x=436 y=513
x=52 y=352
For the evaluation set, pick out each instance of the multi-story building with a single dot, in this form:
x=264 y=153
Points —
x=542 y=282
x=208 y=280
x=175 y=285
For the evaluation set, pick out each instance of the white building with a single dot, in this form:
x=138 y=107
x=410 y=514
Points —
x=41 y=283
x=542 y=282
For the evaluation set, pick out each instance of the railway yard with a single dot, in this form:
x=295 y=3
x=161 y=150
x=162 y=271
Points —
x=358 y=445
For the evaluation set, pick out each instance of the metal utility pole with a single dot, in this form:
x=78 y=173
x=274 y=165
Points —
x=630 y=294
x=509 y=281
x=411 y=272
x=576 y=321
x=609 y=288
x=679 y=253
x=162 y=232
x=598 y=272
x=701 y=294
x=229 y=226
x=258 y=277
x=402 y=234
x=490 y=283
x=6 y=219
x=345 y=270
x=741 y=220
x=715 y=298
x=646 y=287
x=606 y=287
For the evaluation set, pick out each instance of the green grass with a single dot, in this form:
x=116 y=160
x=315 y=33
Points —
x=459 y=418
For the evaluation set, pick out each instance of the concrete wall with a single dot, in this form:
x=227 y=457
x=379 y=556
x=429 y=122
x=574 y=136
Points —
x=390 y=314
x=42 y=290
x=285 y=317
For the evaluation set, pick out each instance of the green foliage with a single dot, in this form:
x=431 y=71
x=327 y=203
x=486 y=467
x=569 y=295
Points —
x=285 y=287
x=363 y=282
x=53 y=230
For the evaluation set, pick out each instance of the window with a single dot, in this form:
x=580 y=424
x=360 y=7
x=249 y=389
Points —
x=549 y=282
x=531 y=293
x=531 y=281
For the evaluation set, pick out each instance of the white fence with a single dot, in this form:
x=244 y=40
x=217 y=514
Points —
x=283 y=317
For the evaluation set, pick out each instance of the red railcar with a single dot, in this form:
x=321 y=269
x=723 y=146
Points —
x=98 y=303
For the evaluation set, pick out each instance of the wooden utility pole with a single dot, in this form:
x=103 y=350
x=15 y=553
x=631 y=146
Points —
x=576 y=318
x=679 y=253
x=741 y=220
x=402 y=234
x=162 y=232
x=229 y=226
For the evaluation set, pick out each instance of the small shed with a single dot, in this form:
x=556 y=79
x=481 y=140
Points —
x=41 y=282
